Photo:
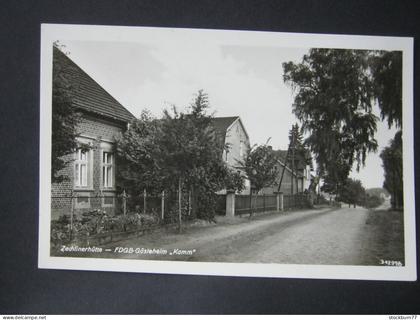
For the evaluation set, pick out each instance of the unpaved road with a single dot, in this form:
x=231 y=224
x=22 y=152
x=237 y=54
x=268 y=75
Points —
x=322 y=236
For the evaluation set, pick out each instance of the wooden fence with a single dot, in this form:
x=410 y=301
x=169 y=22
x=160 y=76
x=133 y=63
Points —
x=262 y=203
x=234 y=204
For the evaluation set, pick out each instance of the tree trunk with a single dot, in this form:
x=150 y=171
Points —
x=255 y=204
x=284 y=168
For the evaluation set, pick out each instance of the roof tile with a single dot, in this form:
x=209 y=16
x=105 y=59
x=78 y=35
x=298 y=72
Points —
x=87 y=94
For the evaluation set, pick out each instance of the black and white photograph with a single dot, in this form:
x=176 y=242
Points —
x=221 y=152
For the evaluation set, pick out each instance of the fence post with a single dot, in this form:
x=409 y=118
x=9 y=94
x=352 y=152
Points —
x=163 y=205
x=280 y=201
x=263 y=202
x=230 y=203
x=144 y=201
x=124 y=197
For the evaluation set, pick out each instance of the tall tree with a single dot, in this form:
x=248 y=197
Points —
x=192 y=155
x=137 y=153
x=65 y=117
x=392 y=163
x=386 y=69
x=297 y=153
x=260 y=167
x=333 y=101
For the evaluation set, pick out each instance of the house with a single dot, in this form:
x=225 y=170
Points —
x=91 y=171
x=232 y=133
x=301 y=173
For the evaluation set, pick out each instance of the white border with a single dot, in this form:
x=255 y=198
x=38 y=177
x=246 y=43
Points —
x=52 y=32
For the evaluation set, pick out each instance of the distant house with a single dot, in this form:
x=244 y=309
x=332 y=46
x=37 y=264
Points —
x=232 y=133
x=91 y=173
x=301 y=173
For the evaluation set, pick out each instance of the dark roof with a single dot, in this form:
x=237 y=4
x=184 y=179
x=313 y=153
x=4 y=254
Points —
x=87 y=94
x=301 y=160
x=221 y=124
x=280 y=154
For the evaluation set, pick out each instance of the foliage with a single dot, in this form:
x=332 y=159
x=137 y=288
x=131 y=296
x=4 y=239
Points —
x=95 y=222
x=392 y=163
x=335 y=90
x=234 y=181
x=352 y=192
x=65 y=117
x=380 y=192
x=336 y=177
x=373 y=201
x=386 y=68
x=260 y=166
x=192 y=154
x=333 y=101
x=137 y=154
x=296 y=140
x=298 y=153
x=178 y=153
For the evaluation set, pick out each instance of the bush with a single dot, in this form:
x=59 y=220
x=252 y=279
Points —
x=97 y=222
x=373 y=201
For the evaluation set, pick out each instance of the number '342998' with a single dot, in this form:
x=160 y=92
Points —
x=393 y=263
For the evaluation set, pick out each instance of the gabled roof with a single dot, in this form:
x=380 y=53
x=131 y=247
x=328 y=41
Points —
x=87 y=94
x=221 y=124
x=280 y=154
x=301 y=160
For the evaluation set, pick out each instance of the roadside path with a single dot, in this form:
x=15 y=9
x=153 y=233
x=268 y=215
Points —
x=322 y=236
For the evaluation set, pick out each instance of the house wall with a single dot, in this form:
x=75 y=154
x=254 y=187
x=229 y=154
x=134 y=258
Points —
x=99 y=134
x=239 y=144
x=306 y=177
x=235 y=137
x=286 y=185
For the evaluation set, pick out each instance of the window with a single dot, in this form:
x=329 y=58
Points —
x=107 y=170
x=81 y=167
x=241 y=149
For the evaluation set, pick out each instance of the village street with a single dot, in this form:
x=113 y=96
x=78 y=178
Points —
x=317 y=236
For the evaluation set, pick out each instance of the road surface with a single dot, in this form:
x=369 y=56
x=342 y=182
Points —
x=321 y=236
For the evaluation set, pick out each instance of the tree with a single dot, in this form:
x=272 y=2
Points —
x=260 y=168
x=392 y=163
x=137 y=152
x=179 y=153
x=296 y=156
x=191 y=155
x=65 y=117
x=298 y=153
x=386 y=68
x=335 y=89
x=333 y=101
x=352 y=192
x=234 y=181
x=373 y=201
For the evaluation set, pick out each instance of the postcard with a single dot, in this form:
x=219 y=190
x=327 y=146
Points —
x=223 y=152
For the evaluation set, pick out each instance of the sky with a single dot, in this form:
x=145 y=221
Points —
x=240 y=80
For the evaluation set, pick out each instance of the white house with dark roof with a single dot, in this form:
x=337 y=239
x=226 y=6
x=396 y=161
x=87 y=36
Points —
x=232 y=133
x=91 y=173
